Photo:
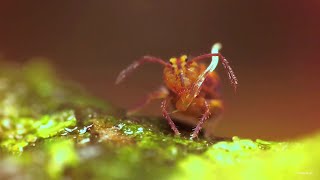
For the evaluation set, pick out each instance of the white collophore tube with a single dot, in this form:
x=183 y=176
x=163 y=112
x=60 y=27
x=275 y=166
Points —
x=212 y=66
x=195 y=90
x=215 y=59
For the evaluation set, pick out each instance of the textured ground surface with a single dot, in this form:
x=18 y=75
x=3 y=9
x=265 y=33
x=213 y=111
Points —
x=51 y=129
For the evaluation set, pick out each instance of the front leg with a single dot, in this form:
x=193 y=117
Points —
x=166 y=115
x=212 y=107
x=204 y=117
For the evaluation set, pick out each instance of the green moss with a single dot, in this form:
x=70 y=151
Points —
x=62 y=154
x=52 y=130
x=242 y=159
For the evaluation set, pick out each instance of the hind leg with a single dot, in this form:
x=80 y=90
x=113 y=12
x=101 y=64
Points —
x=160 y=93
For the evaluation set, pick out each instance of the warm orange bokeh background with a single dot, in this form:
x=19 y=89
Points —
x=273 y=46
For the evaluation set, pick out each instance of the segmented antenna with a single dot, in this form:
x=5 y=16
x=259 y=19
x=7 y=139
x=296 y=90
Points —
x=124 y=73
x=232 y=77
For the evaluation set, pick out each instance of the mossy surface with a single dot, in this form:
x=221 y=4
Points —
x=52 y=130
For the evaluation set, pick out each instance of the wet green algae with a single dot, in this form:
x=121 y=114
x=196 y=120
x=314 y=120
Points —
x=50 y=129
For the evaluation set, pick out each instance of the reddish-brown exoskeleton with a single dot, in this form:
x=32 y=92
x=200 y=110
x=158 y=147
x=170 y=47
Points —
x=190 y=87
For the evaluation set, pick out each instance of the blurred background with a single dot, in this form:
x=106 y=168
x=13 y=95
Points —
x=273 y=47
